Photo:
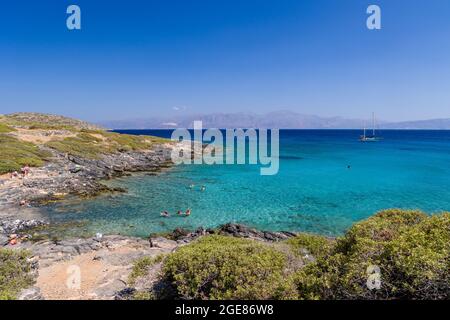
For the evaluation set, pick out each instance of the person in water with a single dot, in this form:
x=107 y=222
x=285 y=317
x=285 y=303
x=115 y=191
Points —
x=164 y=214
x=203 y=188
x=180 y=212
x=188 y=212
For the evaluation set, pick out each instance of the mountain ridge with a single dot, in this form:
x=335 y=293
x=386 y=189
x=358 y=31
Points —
x=276 y=119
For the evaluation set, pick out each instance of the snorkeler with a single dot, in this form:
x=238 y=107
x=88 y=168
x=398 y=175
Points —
x=165 y=214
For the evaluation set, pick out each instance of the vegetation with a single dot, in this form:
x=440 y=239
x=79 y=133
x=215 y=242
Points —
x=14 y=273
x=141 y=266
x=5 y=129
x=316 y=245
x=410 y=250
x=16 y=153
x=31 y=120
x=93 y=144
x=81 y=139
x=218 y=267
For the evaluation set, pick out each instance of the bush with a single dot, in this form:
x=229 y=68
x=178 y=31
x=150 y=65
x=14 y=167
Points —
x=315 y=245
x=141 y=267
x=15 y=154
x=5 y=129
x=88 y=144
x=411 y=250
x=218 y=267
x=14 y=273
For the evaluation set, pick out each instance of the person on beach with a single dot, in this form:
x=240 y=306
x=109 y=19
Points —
x=188 y=212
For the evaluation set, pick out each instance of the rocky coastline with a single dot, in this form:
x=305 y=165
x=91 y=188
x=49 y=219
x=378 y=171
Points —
x=67 y=175
x=106 y=260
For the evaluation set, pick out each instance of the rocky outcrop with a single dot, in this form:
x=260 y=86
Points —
x=8 y=227
x=70 y=175
x=230 y=229
x=241 y=231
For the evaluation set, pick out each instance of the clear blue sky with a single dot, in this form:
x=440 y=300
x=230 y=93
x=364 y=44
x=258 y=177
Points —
x=136 y=59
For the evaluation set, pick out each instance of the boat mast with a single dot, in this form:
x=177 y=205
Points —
x=373 y=124
x=364 y=135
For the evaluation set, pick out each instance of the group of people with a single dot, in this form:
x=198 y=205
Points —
x=24 y=171
x=202 y=188
x=179 y=213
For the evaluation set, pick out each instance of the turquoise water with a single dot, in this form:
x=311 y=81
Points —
x=314 y=190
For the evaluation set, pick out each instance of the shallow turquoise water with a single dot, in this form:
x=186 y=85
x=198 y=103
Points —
x=314 y=190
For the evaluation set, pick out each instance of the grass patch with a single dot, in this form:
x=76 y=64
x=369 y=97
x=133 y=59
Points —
x=14 y=273
x=5 y=129
x=94 y=143
x=316 y=245
x=16 y=153
x=142 y=265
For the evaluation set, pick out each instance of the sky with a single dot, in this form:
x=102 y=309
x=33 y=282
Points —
x=145 y=58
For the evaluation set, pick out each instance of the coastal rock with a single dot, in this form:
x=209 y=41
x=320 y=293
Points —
x=33 y=293
x=162 y=243
x=3 y=240
x=73 y=175
x=16 y=226
x=242 y=231
x=125 y=294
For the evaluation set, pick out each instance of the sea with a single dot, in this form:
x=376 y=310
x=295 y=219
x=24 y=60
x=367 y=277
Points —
x=327 y=181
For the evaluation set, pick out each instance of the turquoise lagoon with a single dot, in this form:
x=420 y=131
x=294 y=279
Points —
x=314 y=191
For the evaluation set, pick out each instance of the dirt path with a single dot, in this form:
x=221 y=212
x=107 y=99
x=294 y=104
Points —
x=95 y=274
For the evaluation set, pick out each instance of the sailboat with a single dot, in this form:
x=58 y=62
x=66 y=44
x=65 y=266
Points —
x=370 y=138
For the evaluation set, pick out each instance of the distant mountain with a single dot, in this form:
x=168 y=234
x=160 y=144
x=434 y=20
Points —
x=278 y=119
x=434 y=124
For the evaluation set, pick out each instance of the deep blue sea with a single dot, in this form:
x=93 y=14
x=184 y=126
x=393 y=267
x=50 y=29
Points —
x=314 y=191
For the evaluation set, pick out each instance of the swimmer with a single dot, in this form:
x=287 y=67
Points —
x=164 y=214
x=203 y=188
x=180 y=212
x=188 y=212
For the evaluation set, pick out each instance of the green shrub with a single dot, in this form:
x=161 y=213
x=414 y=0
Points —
x=143 y=295
x=5 y=129
x=85 y=144
x=141 y=267
x=218 y=267
x=16 y=153
x=14 y=273
x=411 y=250
x=316 y=245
